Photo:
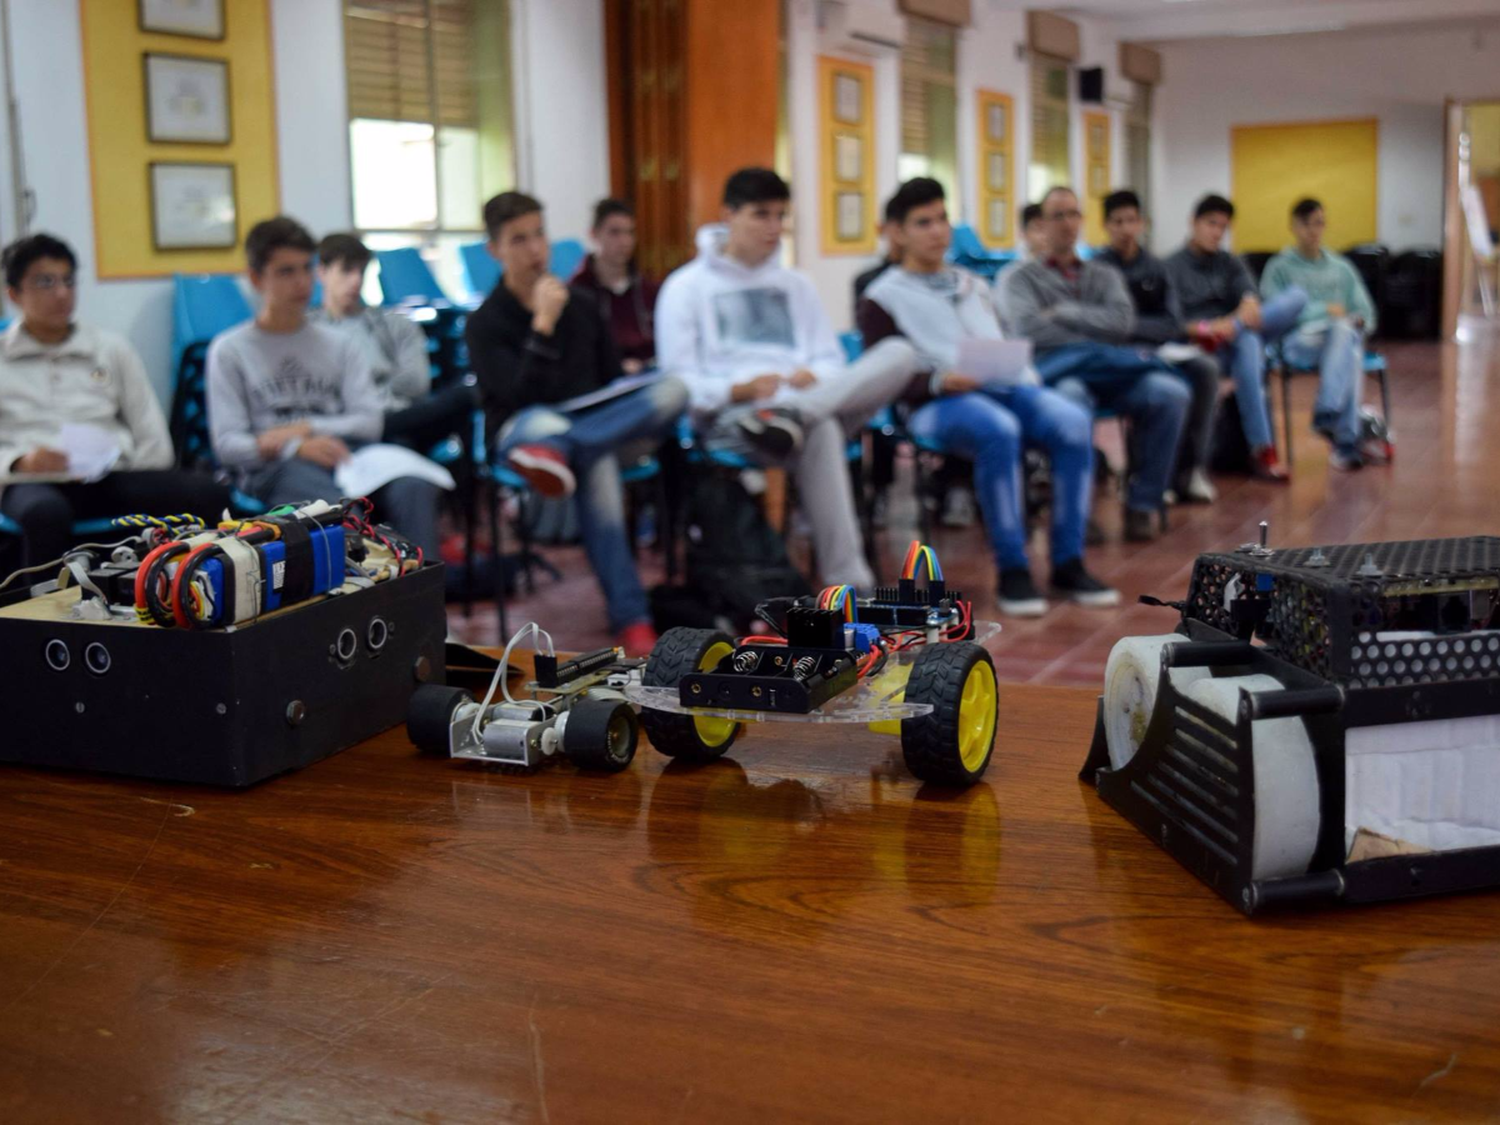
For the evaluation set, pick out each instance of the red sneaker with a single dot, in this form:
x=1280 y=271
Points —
x=1266 y=465
x=544 y=468
x=638 y=639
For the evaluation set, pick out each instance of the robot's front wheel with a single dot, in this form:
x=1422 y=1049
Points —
x=693 y=737
x=429 y=716
x=952 y=744
x=601 y=734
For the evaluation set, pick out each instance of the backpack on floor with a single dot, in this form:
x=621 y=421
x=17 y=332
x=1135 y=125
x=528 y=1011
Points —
x=734 y=559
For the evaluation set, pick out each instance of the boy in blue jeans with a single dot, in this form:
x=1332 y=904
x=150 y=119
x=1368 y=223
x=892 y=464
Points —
x=936 y=306
x=1330 y=333
x=535 y=345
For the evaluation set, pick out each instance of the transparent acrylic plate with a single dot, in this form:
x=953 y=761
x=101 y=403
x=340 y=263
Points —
x=869 y=701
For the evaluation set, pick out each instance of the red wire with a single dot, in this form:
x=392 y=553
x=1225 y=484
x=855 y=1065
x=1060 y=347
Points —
x=140 y=574
x=182 y=568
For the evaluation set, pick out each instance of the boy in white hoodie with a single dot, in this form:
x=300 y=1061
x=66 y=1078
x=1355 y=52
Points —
x=765 y=374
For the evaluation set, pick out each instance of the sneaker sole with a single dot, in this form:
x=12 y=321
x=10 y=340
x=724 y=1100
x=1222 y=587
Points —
x=1093 y=599
x=547 y=478
x=1031 y=607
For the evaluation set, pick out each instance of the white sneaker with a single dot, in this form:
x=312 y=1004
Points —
x=1200 y=490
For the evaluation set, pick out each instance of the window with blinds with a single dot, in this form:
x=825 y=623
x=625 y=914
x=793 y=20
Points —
x=428 y=111
x=1051 y=163
x=929 y=117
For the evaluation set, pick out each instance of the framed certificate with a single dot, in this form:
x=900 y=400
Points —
x=848 y=94
x=193 y=207
x=848 y=159
x=199 y=19
x=187 y=100
x=994 y=128
x=850 y=224
x=998 y=163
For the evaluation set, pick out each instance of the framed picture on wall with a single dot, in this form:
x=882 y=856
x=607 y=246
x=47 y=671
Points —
x=849 y=222
x=999 y=217
x=848 y=157
x=193 y=206
x=994 y=124
x=200 y=19
x=996 y=170
x=848 y=98
x=187 y=100
x=1098 y=179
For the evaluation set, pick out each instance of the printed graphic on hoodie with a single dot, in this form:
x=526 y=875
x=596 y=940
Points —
x=747 y=317
x=293 y=391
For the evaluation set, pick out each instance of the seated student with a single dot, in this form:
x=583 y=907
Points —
x=287 y=398
x=1224 y=315
x=53 y=371
x=1158 y=321
x=1330 y=332
x=395 y=348
x=535 y=343
x=1033 y=245
x=765 y=374
x=936 y=306
x=626 y=299
x=1077 y=313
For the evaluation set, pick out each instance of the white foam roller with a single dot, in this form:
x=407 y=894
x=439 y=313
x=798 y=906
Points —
x=1130 y=680
x=1287 y=813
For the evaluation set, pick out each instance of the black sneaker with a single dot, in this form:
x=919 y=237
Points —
x=1140 y=527
x=1019 y=596
x=1071 y=581
x=774 y=431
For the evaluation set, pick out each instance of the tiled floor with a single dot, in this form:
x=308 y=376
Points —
x=1444 y=481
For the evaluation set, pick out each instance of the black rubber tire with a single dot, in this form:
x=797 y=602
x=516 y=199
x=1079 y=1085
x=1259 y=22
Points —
x=678 y=652
x=429 y=716
x=930 y=743
x=601 y=734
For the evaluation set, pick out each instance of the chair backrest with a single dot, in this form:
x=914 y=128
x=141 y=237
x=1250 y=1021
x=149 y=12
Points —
x=203 y=305
x=1255 y=261
x=481 y=272
x=567 y=255
x=854 y=345
x=405 y=277
x=966 y=243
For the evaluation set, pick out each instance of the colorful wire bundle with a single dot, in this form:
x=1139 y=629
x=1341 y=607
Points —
x=840 y=597
x=917 y=553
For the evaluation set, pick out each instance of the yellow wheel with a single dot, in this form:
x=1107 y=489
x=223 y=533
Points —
x=952 y=744
x=695 y=737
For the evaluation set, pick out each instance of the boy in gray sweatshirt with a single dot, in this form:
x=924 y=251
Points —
x=287 y=399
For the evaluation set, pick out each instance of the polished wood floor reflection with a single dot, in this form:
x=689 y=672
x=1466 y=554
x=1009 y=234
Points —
x=1445 y=401
x=798 y=934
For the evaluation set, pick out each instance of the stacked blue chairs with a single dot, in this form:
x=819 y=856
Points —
x=481 y=271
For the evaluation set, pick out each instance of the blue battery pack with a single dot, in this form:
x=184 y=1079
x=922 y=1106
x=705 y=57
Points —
x=326 y=553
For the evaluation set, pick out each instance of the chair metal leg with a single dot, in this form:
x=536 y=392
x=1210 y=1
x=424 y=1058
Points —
x=470 y=503
x=1286 y=410
x=1385 y=396
x=497 y=560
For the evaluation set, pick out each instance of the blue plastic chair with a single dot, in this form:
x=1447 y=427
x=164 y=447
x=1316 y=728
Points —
x=567 y=256
x=481 y=271
x=1375 y=366
x=406 y=278
x=967 y=250
x=203 y=305
x=853 y=343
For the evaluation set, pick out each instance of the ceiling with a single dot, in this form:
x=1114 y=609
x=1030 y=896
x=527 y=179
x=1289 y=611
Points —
x=1157 y=20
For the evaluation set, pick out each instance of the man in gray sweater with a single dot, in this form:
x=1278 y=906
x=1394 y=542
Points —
x=287 y=399
x=1078 y=317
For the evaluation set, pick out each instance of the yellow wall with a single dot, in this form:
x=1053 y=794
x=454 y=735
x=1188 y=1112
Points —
x=1276 y=165
x=1483 y=123
x=119 y=153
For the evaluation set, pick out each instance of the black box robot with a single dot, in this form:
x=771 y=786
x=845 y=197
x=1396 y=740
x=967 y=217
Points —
x=1323 y=726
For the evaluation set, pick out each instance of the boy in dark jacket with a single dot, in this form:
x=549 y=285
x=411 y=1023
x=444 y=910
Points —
x=534 y=345
x=626 y=299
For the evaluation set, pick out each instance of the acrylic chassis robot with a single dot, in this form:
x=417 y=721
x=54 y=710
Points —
x=906 y=662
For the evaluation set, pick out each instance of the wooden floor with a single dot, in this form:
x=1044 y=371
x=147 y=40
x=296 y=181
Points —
x=1446 y=405
x=798 y=934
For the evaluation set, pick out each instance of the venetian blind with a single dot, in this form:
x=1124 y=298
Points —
x=390 y=47
x=1050 y=159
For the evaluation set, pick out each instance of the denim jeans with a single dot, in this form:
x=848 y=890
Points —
x=1245 y=359
x=589 y=440
x=1336 y=351
x=990 y=429
x=1156 y=404
x=408 y=504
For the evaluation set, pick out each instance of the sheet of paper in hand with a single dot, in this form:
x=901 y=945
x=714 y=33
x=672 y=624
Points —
x=996 y=363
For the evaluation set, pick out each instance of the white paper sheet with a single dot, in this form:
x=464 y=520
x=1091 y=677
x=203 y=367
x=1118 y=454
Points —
x=995 y=363
x=373 y=466
x=621 y=386
x=92 y=452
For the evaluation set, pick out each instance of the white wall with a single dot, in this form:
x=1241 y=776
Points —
x=47 y=61
x=561 y=107
x=1400 y=76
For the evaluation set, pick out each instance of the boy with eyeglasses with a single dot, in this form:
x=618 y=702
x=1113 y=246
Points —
x=54 y=371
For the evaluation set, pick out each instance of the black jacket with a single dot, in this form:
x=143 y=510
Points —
x=517 y=367
x=1158 y=316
